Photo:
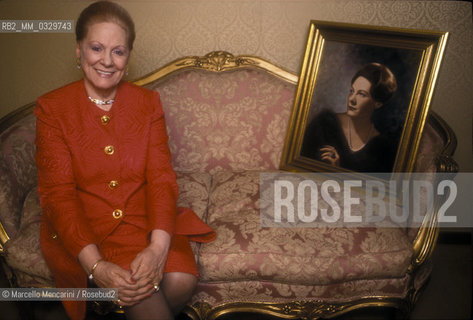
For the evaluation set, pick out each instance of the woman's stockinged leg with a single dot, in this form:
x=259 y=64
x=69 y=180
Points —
x=176 y=290
x=154 y=307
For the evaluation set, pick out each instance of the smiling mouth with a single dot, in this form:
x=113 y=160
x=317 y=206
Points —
x=351 y=108
x=104 y=73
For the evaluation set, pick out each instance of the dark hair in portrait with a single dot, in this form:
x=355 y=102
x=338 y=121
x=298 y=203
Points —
x=383 y=82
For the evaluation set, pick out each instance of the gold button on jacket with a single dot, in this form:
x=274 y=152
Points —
x=117 y=213
x=113 y=184
x=105 y=120
x=109 y=150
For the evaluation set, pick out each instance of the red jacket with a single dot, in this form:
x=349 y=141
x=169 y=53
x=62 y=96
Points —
x=97 y=169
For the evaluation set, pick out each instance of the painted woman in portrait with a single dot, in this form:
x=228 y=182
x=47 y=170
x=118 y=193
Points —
x=353 y=139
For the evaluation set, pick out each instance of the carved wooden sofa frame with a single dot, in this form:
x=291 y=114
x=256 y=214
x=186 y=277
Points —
x=440 y=143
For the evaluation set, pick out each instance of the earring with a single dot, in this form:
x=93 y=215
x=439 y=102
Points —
x=126 y=71
x=78 y=63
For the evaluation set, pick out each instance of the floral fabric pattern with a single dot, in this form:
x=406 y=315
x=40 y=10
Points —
x=194 y=190
x=326 y=260
x=246 y=250
x=17 y=170
x=229 y=121
x=218 y=293
x=24 y=252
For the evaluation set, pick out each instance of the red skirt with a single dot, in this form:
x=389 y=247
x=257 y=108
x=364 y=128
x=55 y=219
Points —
x=127 y=240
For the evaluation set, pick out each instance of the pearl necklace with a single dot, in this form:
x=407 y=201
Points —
x=101 y=102
x=349 y=137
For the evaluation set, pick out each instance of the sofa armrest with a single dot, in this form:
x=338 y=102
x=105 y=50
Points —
x=3 y=238
x=442 y=163
x=17 y=168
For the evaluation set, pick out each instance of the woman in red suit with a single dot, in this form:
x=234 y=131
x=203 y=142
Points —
x=107 y=188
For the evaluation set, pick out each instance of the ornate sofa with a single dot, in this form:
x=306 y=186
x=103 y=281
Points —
x=227 y=117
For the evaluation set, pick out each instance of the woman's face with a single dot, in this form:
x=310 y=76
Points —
x=103 y=56
x=360 y=103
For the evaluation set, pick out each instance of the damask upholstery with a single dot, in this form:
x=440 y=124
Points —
x=291 y=263
x=230 y=121
x=225 y=129
x=18 y=170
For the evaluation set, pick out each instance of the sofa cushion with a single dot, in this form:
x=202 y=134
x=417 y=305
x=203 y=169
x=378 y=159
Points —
x=194 y=191
x=245 y=251
x=227 y=121
x=222 y=292
x=23 y=252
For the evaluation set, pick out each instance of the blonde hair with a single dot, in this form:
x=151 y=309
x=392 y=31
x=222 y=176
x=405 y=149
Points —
x=105 y=11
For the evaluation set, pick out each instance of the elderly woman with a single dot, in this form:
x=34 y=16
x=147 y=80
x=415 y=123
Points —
x=351 y=140
x=107 y=188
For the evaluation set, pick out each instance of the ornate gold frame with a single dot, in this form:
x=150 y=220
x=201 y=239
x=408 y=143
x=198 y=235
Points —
x=218 y=61
x=423 y=244
x=429 y=44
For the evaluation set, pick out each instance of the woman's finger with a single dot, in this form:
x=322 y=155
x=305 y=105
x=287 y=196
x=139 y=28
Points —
x=150 y=264
x=131 y=294
x=145 y=264
x=327 y=159
x=110 y=275
x=330 y=158
x=329 y=155
x=135 y=265
x=136 y=296
x=123 y=278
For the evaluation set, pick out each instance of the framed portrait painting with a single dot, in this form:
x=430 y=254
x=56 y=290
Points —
x=362 y=99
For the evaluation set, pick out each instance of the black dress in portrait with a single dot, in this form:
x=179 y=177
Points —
x=377 y=155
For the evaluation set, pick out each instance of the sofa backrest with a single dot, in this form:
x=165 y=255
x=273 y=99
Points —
x=222 y=118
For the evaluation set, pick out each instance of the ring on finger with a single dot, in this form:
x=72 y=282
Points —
x=156 y=287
